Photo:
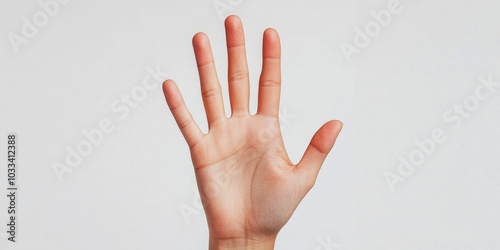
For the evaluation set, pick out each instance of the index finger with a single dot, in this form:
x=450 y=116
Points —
x=270 y=78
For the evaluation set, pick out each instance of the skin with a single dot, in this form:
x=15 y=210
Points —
x=248 y=186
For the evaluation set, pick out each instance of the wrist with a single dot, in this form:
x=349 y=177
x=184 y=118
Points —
x=261 y=243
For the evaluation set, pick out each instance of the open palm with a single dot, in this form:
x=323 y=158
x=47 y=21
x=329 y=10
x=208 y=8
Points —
x=248 y=185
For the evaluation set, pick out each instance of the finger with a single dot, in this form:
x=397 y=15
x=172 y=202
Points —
x=270 y=78
x=210 y=87
x=238 y=69
x=321 y=144
x=187 y=125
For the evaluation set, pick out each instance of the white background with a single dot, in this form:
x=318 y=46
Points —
x=128 y=193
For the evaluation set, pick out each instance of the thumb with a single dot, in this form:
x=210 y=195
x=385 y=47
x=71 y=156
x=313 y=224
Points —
x=321 y=144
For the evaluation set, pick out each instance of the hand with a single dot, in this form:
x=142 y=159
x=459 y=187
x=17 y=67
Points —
x=248 y=186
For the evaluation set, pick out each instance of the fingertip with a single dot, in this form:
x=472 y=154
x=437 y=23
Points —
x=167 y=84
x=199 y=38
x=325 y=137
x=232 y=21
x=270 y=31
x=168 y=81
x=337 y=126
x=234 y=32
x=323 y=140
x=271 y=44
x=271 y=34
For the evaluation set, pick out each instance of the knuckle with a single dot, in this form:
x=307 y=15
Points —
x=269 y=83
x=238 y=76
x=183 y=124
x=210 y=92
